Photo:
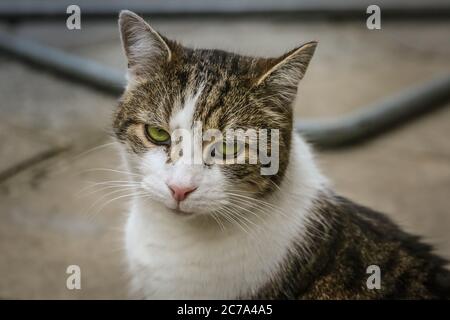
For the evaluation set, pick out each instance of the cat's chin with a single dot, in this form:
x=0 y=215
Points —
x=185 y=209
x=167 y=207
x=180 y=212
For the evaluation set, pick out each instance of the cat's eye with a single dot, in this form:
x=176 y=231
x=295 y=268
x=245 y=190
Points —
x=228 y=149
x=157 y=135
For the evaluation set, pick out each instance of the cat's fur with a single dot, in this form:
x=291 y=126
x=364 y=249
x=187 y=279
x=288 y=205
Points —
x=289 y=236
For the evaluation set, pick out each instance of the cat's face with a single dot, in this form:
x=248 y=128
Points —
x=171 y=88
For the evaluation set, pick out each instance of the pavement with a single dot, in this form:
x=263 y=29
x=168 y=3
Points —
x=55 y=140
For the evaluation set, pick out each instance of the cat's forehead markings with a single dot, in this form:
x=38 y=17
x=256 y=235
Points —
x=183 y=116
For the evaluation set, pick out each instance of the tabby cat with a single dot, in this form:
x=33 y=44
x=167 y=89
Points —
x=227 y=231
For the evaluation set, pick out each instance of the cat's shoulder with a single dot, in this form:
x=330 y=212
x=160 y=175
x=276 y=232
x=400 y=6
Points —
x=360 y=237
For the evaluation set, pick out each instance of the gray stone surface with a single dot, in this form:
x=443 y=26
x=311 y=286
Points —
x=46 y=224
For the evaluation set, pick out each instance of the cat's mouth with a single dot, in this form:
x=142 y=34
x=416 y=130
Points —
x=180 y=212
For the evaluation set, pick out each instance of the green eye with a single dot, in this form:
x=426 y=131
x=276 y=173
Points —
x=157 y=135
x=229 y=149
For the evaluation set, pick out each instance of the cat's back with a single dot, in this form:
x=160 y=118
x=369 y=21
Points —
x=361 y=243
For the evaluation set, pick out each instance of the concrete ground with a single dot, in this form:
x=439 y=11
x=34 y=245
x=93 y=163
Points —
x=61 y=130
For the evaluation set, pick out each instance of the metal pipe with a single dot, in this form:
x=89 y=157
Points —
x=11 y=9
x=73 y=67
x=378 y=117
x=362 y=124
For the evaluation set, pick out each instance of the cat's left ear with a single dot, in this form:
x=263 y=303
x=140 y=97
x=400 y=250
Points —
x=144 y=47
x=284 y=73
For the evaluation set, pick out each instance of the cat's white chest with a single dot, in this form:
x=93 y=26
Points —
x=167 y=262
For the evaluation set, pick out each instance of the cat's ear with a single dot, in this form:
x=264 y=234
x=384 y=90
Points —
x=284 y=73
x=144 y=47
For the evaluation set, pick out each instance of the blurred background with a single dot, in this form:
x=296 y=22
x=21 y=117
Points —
x=55 y=130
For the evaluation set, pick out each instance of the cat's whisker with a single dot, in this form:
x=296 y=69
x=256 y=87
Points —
x=212 y=207
x=252 y=199
x=134 y=194
x=261 y=226
x=253 y=202
x=107 y=195
x=107 y=183
x=99 y=187
x=276 y=185
x=243 y=216
x=238 y=218
x=312 y=230
x=251 y=227
x=246 y=201
x=91 y=192
x=240 y=205
x=112 y=170
x=96 y=148
x=217 y=219
x=222 y=214
x=241 y=191
x=260 y=214
x=229 y=215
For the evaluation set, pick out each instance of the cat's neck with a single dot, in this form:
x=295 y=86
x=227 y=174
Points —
x=234 y=258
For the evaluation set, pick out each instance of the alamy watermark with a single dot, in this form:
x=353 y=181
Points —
x=374 y=280
x=234 y=146
x=73 y=22
x=373 y=22
x=73 y=281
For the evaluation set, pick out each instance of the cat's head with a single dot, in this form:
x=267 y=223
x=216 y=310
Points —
x=171 y=87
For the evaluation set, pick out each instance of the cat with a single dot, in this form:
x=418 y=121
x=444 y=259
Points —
x=226 y=231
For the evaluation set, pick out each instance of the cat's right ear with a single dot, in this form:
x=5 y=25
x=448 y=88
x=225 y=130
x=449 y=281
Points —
x=144 y=48
x=283 y=74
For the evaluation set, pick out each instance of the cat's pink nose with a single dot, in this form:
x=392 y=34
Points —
x=179 y=193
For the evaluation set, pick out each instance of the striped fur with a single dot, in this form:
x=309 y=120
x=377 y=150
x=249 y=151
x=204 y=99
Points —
x=242 y=234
